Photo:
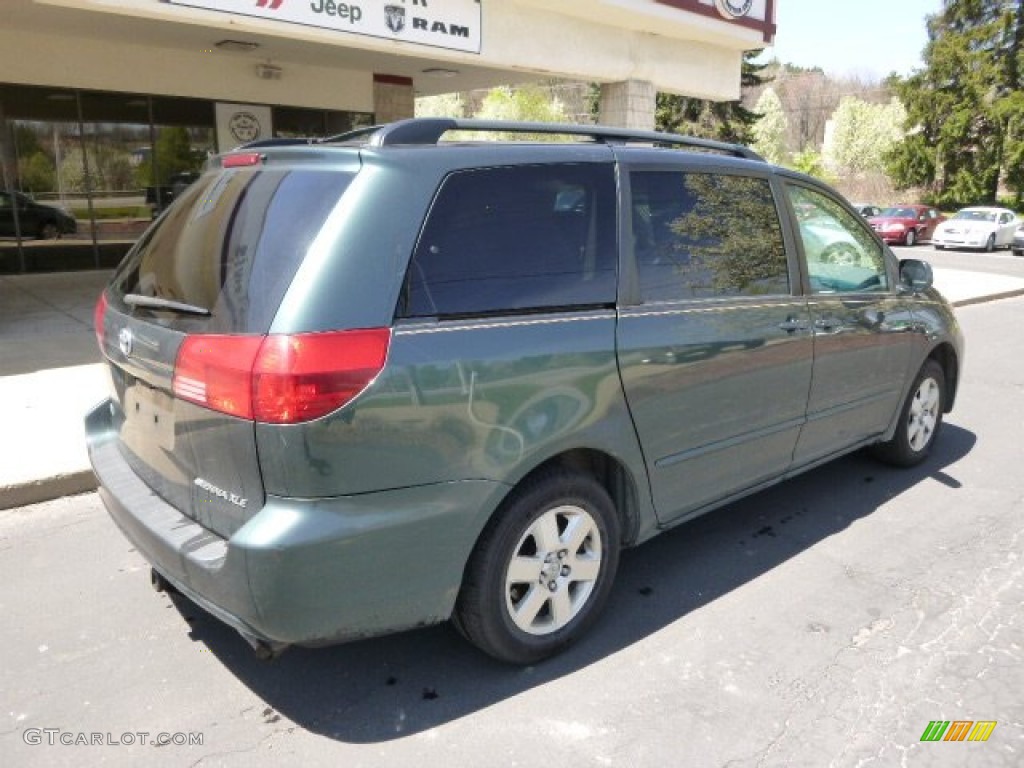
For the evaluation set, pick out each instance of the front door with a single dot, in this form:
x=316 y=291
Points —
x=862 y=328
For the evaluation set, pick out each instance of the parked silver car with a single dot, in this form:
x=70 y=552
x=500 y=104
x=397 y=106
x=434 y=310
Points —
x=984 y=227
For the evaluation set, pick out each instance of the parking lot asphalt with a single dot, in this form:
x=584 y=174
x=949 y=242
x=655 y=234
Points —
x=51 y=375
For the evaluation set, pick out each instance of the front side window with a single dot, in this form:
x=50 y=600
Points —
x=516 y=239
x=706 y=235
x=841 y=254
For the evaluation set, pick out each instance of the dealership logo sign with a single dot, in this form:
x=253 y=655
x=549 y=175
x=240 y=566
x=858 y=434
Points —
x=734 y=9
x=450 y=24
x=244 y=127
x=396 y=17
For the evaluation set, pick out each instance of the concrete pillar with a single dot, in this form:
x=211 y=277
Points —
x=629 y=104
x=393 y=98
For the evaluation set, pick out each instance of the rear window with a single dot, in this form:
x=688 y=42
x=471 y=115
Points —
x=231 y=244
x=515 y=239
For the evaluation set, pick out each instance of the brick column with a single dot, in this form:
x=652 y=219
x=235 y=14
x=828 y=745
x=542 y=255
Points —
x=629 y=104
x=393 y=98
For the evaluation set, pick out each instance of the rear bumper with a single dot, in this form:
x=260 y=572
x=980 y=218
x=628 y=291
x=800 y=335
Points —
x=306 y=571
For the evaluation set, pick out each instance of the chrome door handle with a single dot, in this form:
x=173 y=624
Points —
x=792 y=324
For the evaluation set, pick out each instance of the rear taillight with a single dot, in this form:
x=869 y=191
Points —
x=241 y=160
x=99 y=317
x=279 y=379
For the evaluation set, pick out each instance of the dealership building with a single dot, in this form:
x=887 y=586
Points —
x=94 y=93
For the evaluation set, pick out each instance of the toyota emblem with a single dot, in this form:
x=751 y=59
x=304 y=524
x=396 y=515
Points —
x=124 y=341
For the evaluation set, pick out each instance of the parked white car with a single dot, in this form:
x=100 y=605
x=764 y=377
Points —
x=977 y=227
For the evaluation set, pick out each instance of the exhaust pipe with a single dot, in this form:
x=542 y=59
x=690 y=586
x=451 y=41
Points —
x=266 y=650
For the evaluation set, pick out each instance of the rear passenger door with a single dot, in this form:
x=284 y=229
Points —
x=714 y=342
x=863 y=330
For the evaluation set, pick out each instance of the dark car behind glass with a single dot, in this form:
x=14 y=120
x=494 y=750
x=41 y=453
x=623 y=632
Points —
x=34 y=220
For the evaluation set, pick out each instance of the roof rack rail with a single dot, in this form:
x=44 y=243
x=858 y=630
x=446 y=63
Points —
x=429 y=130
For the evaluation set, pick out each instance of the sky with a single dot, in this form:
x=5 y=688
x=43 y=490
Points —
x=866 y=38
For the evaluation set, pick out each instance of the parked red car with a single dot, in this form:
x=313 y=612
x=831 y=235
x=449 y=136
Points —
x=906 y=224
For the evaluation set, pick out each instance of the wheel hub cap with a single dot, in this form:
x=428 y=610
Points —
x=553 y=570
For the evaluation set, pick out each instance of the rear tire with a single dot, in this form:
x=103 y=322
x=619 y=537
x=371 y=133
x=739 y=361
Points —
x=920 y=419
x=542 y=570
x=990 y=244
x=911 y=238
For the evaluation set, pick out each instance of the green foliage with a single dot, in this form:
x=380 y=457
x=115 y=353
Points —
x=443 y=105
x=38 y=173
x=527 y=103
x=770 y=130
x=174 y=154
x=725 y=121
x=810 y=161
x=730 y=241
x=864 y=134
x=965 y=109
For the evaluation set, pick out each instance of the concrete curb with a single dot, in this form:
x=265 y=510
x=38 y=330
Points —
x=46 y=489
x=991 y=297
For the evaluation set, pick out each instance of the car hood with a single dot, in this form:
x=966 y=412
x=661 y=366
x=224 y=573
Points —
x=892 y=220
x=969 y=226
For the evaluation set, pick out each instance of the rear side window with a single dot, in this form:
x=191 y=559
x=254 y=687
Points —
x=706 y=235
x=514 y=239
x=232 y=244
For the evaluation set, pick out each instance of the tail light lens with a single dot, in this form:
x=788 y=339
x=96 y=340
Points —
x=279 y=379
x=99 y=317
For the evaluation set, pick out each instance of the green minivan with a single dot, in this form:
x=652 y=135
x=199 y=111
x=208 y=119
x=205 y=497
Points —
x=406 y=375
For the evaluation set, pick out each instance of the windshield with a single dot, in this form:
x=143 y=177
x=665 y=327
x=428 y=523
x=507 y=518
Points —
x=229 y=247
x=900 y=213
x=976 y=215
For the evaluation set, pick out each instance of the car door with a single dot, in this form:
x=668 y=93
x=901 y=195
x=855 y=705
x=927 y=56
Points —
x=933 y=219
x=714 y=346
x=862 y=328
x=1007 y=226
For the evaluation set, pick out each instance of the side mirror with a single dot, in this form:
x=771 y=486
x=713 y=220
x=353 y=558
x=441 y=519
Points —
x=915 y=275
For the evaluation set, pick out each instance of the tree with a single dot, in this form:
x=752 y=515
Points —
x=38 y=173
x=770 y=131
x=965 y=109
x=527 y=103
x=722 y=120
x=863 y=134
x=174 y=154
x=809 y=161
x=442 y=105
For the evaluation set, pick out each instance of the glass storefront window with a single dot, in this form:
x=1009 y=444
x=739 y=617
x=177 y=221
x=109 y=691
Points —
x=85 y=172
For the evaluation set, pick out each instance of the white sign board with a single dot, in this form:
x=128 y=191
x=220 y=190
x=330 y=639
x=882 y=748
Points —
x=240 y=124
x=453 y=24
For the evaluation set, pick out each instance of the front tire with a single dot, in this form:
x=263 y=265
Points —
x=49 y=231
x=542 y=570
x=920 y=419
